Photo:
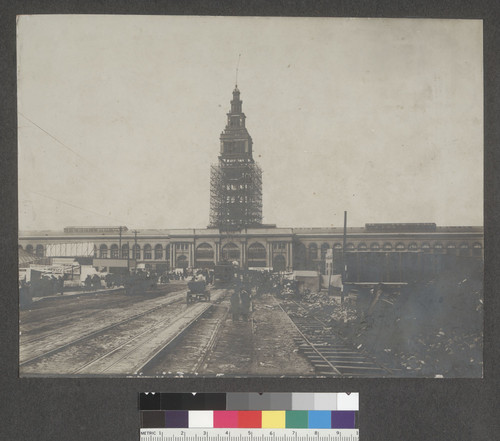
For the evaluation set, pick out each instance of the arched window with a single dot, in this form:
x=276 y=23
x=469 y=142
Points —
x=350 y=247
x=158 y=252
x=136 y=252
x=29 y=248
x=230 y=252
x=182 y=261
x=387 y=246
x=313 y=251
x=125 y=251
x=324 y=248
x=400 y=246
x=337 y=246
x=40 y=251
x=257 y=255
x=426 y=247
x=103 y=251
x=114 y=251
x=464 y=249
x=147 y=252
x=413 y=247
x=477 y=249
x=204 y=251
x=438 y=247
x=375 y=246
x=362 y=247
x=299 y=256
x=167 y=252
x=256 y=251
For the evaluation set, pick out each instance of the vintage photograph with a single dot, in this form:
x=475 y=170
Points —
x=250 y=196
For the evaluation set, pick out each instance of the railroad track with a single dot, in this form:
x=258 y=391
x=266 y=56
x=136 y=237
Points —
x=201 y=335
x=131 y=353
x=329 y=353
x=173 y=299
x=26 y=339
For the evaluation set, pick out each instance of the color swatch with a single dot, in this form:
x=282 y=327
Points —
x=249 y=401
x=250 y=419
x=250 y=410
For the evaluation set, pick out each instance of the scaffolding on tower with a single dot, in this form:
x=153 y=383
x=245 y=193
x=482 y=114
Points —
x=235 y=194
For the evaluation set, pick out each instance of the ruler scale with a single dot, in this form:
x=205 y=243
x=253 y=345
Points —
x=252 y=435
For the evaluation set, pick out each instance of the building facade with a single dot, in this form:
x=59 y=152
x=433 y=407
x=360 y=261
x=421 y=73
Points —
x=272 y=247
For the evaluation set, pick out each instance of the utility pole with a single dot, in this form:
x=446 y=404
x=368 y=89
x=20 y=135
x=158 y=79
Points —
x=120 y=244
x=134 y=256
x=344 y=242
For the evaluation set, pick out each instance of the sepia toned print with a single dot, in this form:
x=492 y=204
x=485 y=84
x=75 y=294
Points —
x=225 y=196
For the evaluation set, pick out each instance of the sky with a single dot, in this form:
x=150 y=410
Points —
x=119 y=118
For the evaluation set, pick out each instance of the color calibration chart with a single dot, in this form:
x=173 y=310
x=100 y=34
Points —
x=279 y=416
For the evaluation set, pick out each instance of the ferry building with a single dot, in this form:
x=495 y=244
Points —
x=236 y=233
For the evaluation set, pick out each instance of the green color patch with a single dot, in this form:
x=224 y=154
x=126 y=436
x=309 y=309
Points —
x=296 y=419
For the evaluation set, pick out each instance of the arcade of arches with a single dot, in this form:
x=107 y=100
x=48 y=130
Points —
x=279 y=248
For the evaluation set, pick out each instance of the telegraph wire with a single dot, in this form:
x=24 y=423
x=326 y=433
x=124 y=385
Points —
x=54 y=138
x=77 y=207
x=93 y=166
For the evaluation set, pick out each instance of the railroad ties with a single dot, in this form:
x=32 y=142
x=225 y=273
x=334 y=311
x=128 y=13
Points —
x=330 y=354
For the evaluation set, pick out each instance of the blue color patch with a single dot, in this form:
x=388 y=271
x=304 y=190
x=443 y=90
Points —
x=320 y=419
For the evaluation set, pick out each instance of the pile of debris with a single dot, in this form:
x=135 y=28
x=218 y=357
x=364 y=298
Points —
x=425 y=329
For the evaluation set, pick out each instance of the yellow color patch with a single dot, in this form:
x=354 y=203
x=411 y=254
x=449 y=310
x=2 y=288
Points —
x=273 y=419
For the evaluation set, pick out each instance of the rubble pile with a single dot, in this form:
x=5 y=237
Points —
x=320 y=304
x=424 y=329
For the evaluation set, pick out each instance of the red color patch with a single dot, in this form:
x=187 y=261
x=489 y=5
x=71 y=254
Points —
x=250 y=419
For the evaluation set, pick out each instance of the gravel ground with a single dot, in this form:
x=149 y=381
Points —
x=275 y=351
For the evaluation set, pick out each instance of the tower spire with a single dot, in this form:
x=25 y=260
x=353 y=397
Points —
x=237 y=67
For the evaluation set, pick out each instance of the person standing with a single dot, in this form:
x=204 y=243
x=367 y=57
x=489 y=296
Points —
x=245 y=304
x=235 y=305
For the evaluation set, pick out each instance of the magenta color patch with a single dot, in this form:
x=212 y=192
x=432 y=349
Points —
x=225 y=419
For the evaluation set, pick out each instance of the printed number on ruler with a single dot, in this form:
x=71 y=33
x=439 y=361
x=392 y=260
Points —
x=249 y=435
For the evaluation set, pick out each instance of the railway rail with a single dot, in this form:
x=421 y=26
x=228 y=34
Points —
x=187 y=352
x=330 y=354
x=134 y=348
x=151 y=341
x=173 y=299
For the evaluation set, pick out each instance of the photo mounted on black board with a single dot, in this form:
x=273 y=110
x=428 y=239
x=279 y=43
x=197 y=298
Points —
x=243 y=196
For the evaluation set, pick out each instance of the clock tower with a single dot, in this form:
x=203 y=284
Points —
x=236 y=180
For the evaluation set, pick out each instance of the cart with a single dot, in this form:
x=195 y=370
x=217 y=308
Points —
x=197 y=290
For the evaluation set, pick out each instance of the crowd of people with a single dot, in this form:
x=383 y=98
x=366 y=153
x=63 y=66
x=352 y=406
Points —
x=46 y=285
x=245 y=284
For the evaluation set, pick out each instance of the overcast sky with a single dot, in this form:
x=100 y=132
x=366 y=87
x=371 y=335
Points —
x=120 y=118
